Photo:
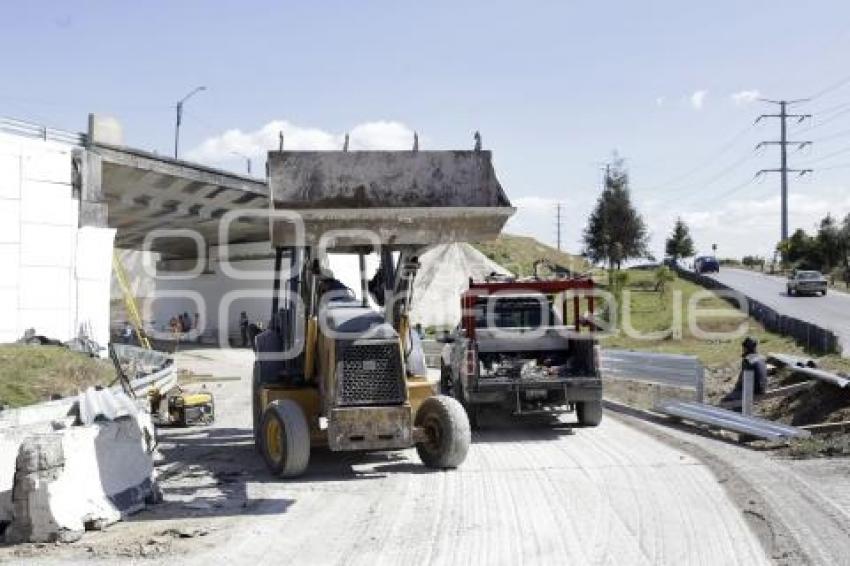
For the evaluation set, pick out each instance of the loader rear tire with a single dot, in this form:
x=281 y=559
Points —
x=285 y=438
x=447 y=432
x=589 y=413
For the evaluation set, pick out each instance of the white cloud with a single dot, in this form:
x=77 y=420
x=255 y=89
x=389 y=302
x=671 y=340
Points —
x=698 y=99
x=660 y=101
x=744 y=97
x=744 y=225
x=219 y=150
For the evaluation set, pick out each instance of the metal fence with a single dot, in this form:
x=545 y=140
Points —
x=811 y=336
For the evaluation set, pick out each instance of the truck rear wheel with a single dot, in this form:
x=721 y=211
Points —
x=285 y=438
x=447 y=434
x=589 y=412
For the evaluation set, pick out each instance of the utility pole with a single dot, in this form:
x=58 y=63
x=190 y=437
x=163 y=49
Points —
x=783 y=144
x=180 y=118
x=558 y=221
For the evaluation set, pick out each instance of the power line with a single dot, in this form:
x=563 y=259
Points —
x=783 y=144
x=725 y=147
x=828 y=155
x=834 y=86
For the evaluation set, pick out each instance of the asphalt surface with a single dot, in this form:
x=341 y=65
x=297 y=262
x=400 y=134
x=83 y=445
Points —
x=831 y=311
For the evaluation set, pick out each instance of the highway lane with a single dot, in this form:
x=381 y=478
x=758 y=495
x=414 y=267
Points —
x=831 y=311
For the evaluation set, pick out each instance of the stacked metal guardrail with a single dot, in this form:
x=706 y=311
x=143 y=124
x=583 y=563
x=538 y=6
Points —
x=811 y=336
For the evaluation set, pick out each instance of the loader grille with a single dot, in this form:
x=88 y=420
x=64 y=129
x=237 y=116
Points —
x=371 y=374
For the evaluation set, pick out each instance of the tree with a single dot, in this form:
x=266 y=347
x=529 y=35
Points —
x=679 y=244
x=828 y=241
x=615 y=230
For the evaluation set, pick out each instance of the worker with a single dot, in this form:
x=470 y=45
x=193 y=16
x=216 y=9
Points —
x=127 y=333
x=752 y=361
x=243 y=328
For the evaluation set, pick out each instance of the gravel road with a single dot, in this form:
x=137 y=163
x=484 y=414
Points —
x=831 y=311
x=528 y=493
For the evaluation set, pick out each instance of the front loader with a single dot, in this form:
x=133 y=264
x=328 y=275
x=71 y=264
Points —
x=332 y=370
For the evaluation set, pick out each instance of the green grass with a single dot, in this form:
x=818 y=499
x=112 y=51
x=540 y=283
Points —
x=651 y=312
x=30 y=374
x=518 y=254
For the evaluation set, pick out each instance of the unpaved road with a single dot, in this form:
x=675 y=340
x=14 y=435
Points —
x=831 y=311
x=527 y=494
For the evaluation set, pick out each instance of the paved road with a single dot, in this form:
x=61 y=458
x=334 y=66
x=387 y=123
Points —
x=534 y=494
x=831 y=311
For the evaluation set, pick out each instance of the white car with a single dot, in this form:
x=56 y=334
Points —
x=806 y=282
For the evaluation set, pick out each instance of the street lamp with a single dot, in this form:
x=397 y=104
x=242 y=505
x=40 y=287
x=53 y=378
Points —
x=180 y=117
x=246 y=158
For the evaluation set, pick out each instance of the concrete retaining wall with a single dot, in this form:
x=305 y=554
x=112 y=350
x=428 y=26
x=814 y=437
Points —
x=811 y=336
x=55 y=275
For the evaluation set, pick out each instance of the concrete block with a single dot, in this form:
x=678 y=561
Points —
x=10 y=221
x=45 y=288
x=79 y=476
x=47 y=162
x=48 y=203
x=10 y=259
x=10 y=175
x=47 y=245
x=9 y=310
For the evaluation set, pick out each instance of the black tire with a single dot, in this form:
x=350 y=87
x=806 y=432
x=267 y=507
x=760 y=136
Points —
x=447 y=432
x=285 y=438
x=445 y=379
x=790 y=292
x=256 y=407
x=473 y=411
x=589 y=413
x=823 y=292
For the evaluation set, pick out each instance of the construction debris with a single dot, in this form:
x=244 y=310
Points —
x=730 y=420
x=808 y=368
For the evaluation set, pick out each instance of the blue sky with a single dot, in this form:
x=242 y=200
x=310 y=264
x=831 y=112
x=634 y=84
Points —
x=554 y=88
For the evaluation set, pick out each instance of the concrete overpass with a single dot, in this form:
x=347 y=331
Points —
x=138 y=192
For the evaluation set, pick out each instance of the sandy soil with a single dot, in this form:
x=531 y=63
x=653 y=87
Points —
x=529 y=492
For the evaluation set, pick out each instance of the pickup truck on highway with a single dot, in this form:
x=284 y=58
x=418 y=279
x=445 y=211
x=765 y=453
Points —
x=806 y=282
x=514 y=350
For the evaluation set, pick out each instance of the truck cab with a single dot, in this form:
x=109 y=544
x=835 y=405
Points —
x=521 y=349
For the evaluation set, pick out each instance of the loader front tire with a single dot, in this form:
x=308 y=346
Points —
x=285 y=438
x=447 y=435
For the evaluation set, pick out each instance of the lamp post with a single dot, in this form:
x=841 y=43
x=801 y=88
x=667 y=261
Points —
x=180 y=117
x=246 y=158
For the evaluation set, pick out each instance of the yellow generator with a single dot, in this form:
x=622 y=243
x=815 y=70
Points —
x=340 y=367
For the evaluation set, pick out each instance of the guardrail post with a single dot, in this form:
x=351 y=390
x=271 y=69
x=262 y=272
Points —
x=747 y=392
x=700 y=384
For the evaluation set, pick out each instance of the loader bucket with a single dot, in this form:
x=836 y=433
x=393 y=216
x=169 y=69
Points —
x=403 y=197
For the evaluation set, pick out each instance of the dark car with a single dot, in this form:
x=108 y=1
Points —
x=707 y=264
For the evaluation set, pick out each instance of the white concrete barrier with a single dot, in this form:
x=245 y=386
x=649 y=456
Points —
x=80 y=477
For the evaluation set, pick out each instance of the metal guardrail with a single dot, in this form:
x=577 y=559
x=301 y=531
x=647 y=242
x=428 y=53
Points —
x=729 y=420
x=39 y=131
x=675 y=370
x=811 y=336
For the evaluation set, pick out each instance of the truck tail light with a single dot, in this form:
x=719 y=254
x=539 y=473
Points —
x=471 y=361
